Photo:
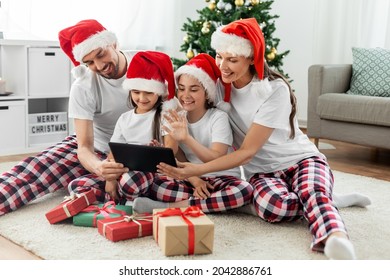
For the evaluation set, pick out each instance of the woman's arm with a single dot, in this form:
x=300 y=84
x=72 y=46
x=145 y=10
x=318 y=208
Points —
x=256 y=137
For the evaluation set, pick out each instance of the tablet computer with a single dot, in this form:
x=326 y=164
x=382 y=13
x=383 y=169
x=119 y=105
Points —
x=141 y=157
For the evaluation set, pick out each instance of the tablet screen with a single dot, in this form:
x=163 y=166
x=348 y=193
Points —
x=141 y=157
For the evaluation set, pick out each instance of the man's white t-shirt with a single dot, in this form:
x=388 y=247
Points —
x=250 y=105
x=101 y=100
x=211 y=128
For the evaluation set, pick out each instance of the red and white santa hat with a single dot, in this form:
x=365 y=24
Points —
x=243 y=38
x=151 y=71
x=79 y=40
x=204 y=69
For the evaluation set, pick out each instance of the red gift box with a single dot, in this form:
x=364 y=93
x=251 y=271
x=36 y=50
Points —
x=121 y=228
x=72 y=205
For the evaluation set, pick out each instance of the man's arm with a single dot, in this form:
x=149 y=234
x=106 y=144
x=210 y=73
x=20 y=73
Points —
x=86 y=153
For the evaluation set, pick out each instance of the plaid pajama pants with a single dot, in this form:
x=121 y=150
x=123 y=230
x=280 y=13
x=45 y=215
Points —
x=303 y=189
x=50 y=170
x=229 y=192
x=130 y=185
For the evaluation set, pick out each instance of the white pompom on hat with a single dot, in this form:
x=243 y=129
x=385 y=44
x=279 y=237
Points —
x=204 y=69
x=151 y=71
x=84 y=37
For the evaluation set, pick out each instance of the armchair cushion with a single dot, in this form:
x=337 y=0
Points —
x=370 y=72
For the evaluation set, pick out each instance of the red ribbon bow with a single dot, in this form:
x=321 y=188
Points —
x=192 y=211
x=104 y=210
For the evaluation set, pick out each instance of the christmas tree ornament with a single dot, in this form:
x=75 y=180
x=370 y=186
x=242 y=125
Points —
x=255 y=2
x=271 y=56
x=205 y=30
x=185 y=38
x=239 y=3
x=212 y=6
x=190 y=53
x=221 y=5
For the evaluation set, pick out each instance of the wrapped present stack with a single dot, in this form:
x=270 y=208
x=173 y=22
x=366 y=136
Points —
x=72 y=205
x=183 y=231
x=89 y=216
x=121 y=228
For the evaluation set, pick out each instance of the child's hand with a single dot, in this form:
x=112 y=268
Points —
x=177 y=125
x=155 y=143
x=111 y=188
x=201 y=188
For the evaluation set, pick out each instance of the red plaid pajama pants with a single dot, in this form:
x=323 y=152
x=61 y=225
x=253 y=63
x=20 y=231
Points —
x=130 y=185
x=50 y=170
x=303 y=189
x=229 y=192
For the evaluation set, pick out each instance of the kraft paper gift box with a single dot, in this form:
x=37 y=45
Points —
x=122 y=228
x=183 y=231
x=89 y=216
x=72 y=205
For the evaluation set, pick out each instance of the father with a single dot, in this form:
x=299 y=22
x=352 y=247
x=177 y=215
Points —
x=96 y=101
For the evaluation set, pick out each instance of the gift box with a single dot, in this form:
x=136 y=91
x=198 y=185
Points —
x=89 y=216
x=122 y=228
x=183 y=231
x=71 y=205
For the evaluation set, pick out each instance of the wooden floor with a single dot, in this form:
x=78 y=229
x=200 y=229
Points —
x=343 y=157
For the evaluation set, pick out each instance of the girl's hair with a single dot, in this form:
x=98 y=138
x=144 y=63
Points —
x=157 y=115
x=273 y=75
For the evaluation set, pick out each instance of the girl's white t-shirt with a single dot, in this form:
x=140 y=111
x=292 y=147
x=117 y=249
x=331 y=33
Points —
x=101 y=100
x=213 y=127
x=272 y=109
x=134 y=128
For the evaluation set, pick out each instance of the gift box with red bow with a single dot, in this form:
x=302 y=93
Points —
x=71 y=205
x=121 y=228
x=183 y=231
x=89 y=216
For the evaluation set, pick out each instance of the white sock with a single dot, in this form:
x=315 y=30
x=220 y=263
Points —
x=146 y=205
x=247 y=209
x=339 y=248
x=352 y=199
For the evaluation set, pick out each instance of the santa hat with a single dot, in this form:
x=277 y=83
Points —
x=243 y=38
x=204 y=69
x=151 y=71
x=79 y=40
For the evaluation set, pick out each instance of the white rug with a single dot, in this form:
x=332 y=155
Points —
x=237 y=236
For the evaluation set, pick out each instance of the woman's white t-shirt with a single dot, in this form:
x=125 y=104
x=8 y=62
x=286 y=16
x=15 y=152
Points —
x=271 y=109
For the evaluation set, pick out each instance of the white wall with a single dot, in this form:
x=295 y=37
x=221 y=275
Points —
x=295 y=29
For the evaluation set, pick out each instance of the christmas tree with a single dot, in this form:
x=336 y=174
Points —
x=220 y=12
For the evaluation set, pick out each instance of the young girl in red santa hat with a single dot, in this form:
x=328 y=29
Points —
x=201 y=135
x=290 y=176
x=149 y=80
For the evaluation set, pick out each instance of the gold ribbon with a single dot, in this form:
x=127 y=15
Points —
x=73 y=196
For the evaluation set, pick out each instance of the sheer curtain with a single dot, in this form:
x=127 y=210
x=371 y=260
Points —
x=138 y=24
x=340 y=25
